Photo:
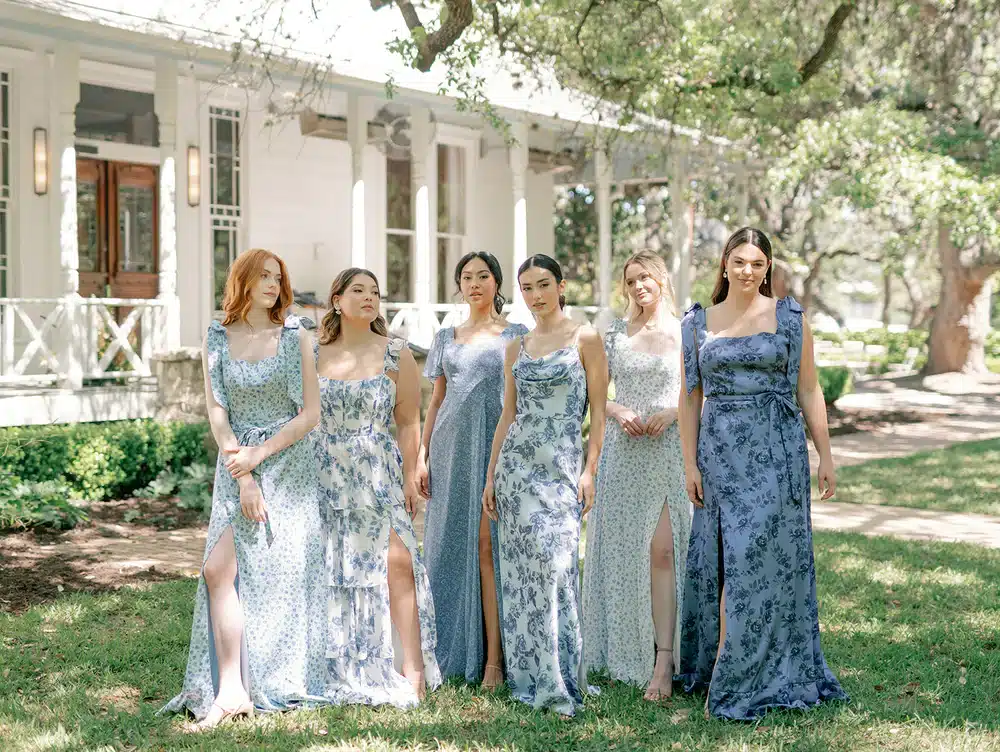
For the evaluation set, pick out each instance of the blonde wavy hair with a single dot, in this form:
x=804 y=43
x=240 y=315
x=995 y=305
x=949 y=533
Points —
x=657 y=269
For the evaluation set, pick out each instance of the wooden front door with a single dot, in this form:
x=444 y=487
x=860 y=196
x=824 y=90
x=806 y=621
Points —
x=118 y=229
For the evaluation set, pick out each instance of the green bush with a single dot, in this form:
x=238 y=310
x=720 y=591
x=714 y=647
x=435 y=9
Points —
x=835 y=381
x=43 y=504
x=101 y=460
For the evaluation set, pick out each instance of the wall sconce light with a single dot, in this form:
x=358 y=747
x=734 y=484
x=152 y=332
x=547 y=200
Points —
x=194 y=175
x=40 y=160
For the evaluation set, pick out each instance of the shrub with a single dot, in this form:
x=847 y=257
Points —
x=101 y=460
x=43 y=504
x=835 y=381
x=193 y=486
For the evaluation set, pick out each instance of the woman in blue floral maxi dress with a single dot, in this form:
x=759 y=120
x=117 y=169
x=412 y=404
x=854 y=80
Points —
x=368 y=496
x=460 y=542
x=536 y=489
x=257 y=638
x=751 y=575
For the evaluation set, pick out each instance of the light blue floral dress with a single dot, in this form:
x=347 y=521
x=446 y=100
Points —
x=459 y=458
x=754 y=533
x=280 y=562
x=636 y=478
x=536 y=485
x=361 y=499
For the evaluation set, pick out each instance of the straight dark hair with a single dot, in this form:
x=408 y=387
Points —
x=547 y=263
x=743 y=236
x=493 y=265
x=330 y=328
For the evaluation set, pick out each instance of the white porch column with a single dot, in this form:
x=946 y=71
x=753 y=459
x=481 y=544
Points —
x=165 y=104
x=65 y=89
x=357 y=137
x=679 y=215
x=517 y=155
x=602 y=171
x=421 y=329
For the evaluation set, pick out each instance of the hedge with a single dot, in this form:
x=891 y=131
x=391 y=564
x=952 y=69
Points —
x=100 y=461
x=835 y=381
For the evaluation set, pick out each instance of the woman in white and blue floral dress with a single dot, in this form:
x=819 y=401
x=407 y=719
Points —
x=368 y=497
x=637 y=535
x=256 y=640
x=539 y=489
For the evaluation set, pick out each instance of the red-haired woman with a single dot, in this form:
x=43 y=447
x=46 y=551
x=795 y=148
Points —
x=257 y=636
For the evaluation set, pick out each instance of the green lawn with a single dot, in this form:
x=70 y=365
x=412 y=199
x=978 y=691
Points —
x=962 y=478
x=912 y=629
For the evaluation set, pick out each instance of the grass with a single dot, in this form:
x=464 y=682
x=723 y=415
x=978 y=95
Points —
x=993 y=364
x=912 y=629
x=961 y=478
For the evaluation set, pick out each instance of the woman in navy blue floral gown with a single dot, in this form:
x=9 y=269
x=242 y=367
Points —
x=750 y=627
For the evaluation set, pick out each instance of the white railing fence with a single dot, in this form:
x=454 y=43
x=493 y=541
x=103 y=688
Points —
x=66 y=341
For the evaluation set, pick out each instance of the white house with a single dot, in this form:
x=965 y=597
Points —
x=136 y=163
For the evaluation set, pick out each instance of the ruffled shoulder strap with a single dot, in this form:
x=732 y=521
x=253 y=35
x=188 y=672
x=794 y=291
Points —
x=435 y=356
x=513 y=331
x=789 y=314
x=292 y=355
x=217 y=345
x=393 y=348
x=611 y=336
x=692 y=331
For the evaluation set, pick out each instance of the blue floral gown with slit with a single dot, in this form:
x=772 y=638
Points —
x=458 y=462
x=536 y=484
x=754 y=535
x=279 y=563
x=361 y=500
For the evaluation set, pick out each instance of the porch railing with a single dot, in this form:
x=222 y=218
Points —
x=46 y=341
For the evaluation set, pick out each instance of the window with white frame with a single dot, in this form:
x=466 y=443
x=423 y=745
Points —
x=5 y=178
x=452 y=184
x=400 y=235
x=224 y=202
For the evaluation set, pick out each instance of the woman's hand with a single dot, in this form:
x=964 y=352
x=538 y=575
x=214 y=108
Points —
x=252 y=501
x=585 y=492
x=695 y=492
x=243 y=460
x=630 y=422
x=411 y=498
x=490 y=502
x=423 y=479
x=826 y=479
x=659 y=422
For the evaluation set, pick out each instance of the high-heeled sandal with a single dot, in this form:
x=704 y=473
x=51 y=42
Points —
x=245 y=708
x=657 y=694
x=496 y=683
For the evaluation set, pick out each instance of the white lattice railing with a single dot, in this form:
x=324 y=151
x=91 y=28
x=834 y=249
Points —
x=61 y=340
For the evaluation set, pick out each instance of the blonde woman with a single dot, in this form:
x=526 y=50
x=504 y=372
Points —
x=637 y=537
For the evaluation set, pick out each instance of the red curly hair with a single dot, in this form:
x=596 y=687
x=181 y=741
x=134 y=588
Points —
x=243 y=277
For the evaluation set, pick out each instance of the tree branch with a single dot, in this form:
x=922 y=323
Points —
x=457 y=18
x=830 y=35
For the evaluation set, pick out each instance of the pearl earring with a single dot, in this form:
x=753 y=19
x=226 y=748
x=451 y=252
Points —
x=725 y=275
x=336 y=310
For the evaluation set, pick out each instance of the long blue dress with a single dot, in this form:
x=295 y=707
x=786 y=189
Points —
x=361 y=498
x=536 y=483
x=754 y=533
x=459 y=457
x=279 y=563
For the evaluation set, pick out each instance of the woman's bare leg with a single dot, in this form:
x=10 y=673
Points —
x=403 y=610
x=493 y=676
x=664 y=596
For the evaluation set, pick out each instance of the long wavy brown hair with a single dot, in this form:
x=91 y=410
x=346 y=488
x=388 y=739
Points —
x=244 y=275
x=657 y=269
x=743 y=236
x=331 y=324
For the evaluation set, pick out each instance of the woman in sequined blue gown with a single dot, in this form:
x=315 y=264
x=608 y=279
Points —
x=750 y=628
x=460 y=542
x=539 y=488
x=377 y=584
x=256 y=637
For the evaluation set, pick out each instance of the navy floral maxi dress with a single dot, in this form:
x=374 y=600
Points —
x=754 y=535
x=536 y=482
x=279 y=563
x=361 y=499
x=458 y=461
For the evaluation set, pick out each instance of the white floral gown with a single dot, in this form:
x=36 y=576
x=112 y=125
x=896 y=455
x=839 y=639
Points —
x=279 y=563
x=537 y=479
x=361 y=501
x=635 y=479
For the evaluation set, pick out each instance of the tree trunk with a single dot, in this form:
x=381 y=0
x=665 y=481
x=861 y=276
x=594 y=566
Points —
x=886 y=298
x=956 y=341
